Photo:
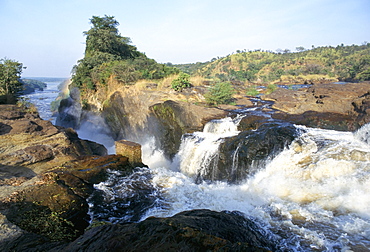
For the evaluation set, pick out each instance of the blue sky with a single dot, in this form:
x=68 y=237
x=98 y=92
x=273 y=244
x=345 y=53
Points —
x=47 y=35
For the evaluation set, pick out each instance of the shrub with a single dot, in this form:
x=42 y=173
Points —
x=181 y=82
x=252 y=91
x=271 y=88
x=221 y=93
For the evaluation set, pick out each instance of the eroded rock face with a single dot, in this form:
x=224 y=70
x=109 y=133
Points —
x=331 y=106
x=28 y=141
x=178 y=118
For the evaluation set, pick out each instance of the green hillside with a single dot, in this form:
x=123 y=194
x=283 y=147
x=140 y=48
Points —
x=345 y=63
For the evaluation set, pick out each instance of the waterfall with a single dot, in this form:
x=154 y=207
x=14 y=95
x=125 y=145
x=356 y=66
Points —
x=198 y=151
x=314 y=194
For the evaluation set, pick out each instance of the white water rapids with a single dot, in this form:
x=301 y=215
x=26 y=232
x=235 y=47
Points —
x=314 y=195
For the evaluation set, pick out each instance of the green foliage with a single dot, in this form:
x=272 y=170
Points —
x=10 y=86
x=252 y=91
x=181 y=82
x=220 y=93
x=341 y=62
x=271 y=88
x=108 y=54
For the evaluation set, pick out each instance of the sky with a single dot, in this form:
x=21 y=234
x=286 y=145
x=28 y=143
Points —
x=47 y=35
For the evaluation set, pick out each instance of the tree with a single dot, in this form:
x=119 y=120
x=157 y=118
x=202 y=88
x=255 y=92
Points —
x=104 y=37
x=10 y=85
x=300 y=49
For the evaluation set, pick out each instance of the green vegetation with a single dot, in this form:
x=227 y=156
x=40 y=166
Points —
x=252 y=91
x=181 y=82
x=220 y=93
x=347 y=63
x=110 y=55
x=10 y=86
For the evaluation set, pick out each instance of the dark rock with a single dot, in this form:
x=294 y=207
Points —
x=70 y=110
x=196 y=230
x=94 y=169
x=241 y=155
x=178 y=118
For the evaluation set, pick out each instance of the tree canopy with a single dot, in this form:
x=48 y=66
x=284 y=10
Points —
x=10 y=85
x=108 y=54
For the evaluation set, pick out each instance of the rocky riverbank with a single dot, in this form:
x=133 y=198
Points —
x=47 y=175
x=328 y=106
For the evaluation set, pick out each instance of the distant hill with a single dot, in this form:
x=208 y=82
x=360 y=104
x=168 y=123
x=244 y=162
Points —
x=341 y=63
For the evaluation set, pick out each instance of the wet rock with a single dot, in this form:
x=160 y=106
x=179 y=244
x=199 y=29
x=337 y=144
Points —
x=54 y=205
x=197 y=230
x=178 y=118
x=94 y=168
x=241 y=155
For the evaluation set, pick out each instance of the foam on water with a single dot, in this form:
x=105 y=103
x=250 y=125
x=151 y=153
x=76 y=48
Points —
x=315 y=194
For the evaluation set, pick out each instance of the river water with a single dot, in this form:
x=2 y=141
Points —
x=313 y=196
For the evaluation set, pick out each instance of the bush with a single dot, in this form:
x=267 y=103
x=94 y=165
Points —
x=252 y=91
x=271 y=88
x=181 y=82
x=221 y=93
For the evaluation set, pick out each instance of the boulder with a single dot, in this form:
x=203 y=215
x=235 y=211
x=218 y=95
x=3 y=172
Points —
x=54 y=204
x=196 y=230
x=240 y=156
x=129 y=149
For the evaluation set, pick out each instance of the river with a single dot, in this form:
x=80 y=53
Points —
x=312 y=196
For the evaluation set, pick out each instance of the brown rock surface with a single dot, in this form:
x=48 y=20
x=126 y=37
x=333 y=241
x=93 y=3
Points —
x=46 y=175
x=29 y=142
x=129 y=149
x=325 y=105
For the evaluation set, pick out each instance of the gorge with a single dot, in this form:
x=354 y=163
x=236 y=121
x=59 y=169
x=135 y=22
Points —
x=291 y=187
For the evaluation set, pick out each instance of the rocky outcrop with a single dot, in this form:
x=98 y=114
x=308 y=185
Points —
x=131 y=150
x=27 y=141
x=53 y=205
x=136 y=115
x=197 y=230
x=178 y=118
x=242 y=155
x=46 y=175
x=331 y=106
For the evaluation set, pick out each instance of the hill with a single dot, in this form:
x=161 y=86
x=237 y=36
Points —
x=321 y=64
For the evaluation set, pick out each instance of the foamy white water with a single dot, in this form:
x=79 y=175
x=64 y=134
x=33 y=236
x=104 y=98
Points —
x=199 y=149
x=315 y=194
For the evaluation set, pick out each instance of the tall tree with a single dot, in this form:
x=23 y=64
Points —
x=104 y=37
x=10 y=86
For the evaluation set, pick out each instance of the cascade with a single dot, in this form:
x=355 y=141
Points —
x=198 y=152
x=313 y=195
